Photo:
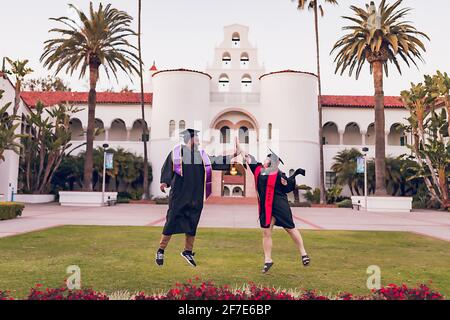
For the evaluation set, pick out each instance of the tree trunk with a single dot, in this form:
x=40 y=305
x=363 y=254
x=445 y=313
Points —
x=145 y=131
x=380 y=137
x=319 y=105
x=17 y=97
x=447 y=105
x=296 y=196
x=92 y=100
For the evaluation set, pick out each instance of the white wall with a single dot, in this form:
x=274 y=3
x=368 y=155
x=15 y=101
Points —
x=288 y=101
x=178 y=95
x=9 y=169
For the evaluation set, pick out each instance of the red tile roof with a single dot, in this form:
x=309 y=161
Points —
x=360 y=101
x=54 y=98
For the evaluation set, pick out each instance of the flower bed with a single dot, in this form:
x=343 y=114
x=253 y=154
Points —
x=39 y=293
x=4 y=295
x=196 y=290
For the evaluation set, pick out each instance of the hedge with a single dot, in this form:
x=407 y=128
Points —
x=347 y=203
x=10 y=210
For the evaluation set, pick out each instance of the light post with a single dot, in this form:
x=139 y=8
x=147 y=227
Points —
x=105 y=146
x=365 y=150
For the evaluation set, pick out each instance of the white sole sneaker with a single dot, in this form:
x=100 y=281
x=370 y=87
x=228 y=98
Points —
x=187 y=260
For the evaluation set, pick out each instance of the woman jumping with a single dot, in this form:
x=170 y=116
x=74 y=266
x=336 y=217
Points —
x=272 y=187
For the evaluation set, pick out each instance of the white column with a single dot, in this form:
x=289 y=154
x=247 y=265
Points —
x=341 y=137
x=106 y=134
x=128 y=134
x=363 y=133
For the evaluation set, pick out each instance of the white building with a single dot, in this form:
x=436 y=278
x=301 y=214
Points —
x=233 y=97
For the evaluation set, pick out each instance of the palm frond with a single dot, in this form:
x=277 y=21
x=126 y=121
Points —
x=99 y=37
x=378 y=34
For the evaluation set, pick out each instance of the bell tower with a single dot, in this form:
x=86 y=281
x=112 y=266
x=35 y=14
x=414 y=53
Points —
x=235 y=68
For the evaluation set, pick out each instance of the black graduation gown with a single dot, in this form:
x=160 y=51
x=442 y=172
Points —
x=187 y=193
x=281 y=210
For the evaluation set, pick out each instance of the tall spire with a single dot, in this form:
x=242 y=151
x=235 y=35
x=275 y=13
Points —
x=153 y=68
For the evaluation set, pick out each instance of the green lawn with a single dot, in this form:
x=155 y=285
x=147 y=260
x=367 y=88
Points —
x=121 y=258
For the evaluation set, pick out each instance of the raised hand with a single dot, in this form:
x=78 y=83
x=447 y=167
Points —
x=237 y=147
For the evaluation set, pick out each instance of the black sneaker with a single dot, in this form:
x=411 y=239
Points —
x=159 y=258
x=189 y=257
x=267 y=267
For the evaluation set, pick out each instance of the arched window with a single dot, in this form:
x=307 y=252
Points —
x=370 y=135
x=225 y=135
x=244 y=135
x=224 y=83
x=226 y=60
x=118 y=131
x=137 y=131
x=330 y=134
x=172 y=128
x=245 y=60
x=246 y=83
x=269 y=131
x=396 y=136
x=182 y=125
x=237 y=192
x=352 y=134
x=99 y=130
x=236 y=40
x=76 y=129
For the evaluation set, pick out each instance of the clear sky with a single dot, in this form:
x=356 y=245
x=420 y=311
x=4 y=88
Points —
x=183 y=33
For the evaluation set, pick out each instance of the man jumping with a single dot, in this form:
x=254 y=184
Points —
x=188 y=172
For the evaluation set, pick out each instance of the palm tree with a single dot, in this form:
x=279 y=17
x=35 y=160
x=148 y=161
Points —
x=316 y=6
x=98 y=40
x=345 y=167
x=145 y=131
x=378 y=36
x=20 y=70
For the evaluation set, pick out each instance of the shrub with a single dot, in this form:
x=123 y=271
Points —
x=10 y=210
x=314 y=196
x=123 y=200
x=333 y=194
x=305 y=204
x=136 y=194
x=164 y=200
x=345 y=204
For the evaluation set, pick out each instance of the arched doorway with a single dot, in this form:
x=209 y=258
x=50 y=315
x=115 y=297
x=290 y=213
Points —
x=226 y=126
x=234 y=179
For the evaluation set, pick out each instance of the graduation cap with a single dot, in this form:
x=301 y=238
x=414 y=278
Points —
x=189 y=133
x=274 y=156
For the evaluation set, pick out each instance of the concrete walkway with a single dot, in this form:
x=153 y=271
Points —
x=37 y=217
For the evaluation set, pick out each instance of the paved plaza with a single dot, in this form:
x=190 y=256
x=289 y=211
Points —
x=37 y=217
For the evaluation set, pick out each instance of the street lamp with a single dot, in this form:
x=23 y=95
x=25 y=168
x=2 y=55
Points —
x=365 y=150
x=105 y=146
